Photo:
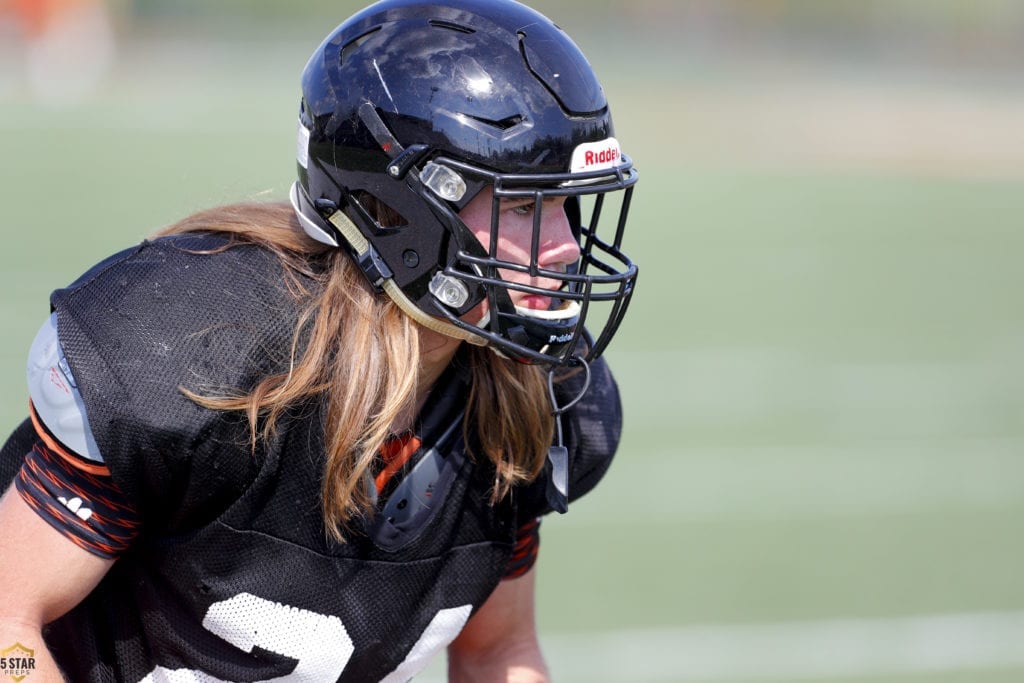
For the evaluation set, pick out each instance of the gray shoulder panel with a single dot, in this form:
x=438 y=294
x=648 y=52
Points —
x=55 y=395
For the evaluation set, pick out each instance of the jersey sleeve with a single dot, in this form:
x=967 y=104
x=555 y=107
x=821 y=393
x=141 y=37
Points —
x=79 y=499
x=525 y=551
x=593 y=427
x=62 y=476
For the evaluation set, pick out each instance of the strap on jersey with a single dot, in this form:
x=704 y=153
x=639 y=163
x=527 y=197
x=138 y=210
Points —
x=418 y=492
x=421 y=493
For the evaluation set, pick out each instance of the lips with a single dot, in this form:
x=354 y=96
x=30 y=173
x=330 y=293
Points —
x=535 y=302
x=539 y=302
x=557 y=309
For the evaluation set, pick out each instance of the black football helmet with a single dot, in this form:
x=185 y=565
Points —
x=409 y=109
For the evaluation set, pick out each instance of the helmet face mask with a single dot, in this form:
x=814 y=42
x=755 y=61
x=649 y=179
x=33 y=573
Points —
x=597 y=286
x=400 y=139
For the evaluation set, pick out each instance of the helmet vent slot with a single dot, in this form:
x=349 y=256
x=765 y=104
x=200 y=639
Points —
x=353 y=45
x=452 y=26
x=382 y=214
x=502 y=124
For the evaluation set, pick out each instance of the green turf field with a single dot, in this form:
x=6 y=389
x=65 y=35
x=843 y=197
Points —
x=822 y=476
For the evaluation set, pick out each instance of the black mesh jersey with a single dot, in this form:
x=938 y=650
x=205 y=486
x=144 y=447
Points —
x=233 y=578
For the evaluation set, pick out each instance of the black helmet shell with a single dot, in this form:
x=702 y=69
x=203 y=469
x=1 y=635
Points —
x=489 y=86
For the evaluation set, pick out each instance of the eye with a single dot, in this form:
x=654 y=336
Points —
x=523 y=209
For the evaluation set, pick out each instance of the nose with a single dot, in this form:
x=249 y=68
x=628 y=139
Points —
x=558 y=245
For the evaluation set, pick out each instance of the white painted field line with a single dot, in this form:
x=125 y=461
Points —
x=791 y=651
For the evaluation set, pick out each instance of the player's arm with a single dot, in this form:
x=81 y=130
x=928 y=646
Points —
x=43 y=574
x=499 y=643
x=63 y=521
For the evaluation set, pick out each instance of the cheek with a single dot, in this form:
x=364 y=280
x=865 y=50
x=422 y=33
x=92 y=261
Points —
x=476 y=314
x=514 y=242
x=514 y=236
x=483 y=236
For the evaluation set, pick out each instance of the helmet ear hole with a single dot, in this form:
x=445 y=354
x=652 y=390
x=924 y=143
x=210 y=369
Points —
x=382 y=214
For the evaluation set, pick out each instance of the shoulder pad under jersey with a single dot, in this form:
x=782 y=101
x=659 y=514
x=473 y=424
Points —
x=55 y=396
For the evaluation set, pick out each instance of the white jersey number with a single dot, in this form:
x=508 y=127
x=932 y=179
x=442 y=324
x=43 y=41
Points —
x=319 y=642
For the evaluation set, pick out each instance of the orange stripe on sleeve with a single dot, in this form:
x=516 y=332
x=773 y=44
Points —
x=89 y=510
x=59 y=449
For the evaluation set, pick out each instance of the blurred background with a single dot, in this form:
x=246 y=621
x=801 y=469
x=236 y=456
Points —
x=822 y=476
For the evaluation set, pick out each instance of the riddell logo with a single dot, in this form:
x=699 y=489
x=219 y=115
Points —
x=596 y=156
x=605 y=156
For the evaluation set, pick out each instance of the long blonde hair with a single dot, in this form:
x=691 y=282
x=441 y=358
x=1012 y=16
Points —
x=357 y=349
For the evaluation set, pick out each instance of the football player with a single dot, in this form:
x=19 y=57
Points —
x=312 y=441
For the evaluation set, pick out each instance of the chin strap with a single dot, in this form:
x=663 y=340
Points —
x=557 y=490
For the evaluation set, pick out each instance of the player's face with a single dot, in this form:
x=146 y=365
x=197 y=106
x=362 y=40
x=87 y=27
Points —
x=557 y=247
